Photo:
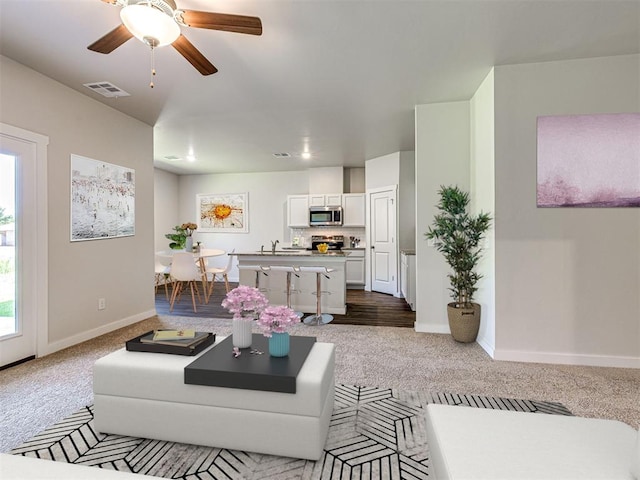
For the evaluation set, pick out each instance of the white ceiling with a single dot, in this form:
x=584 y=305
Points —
x=341 y=76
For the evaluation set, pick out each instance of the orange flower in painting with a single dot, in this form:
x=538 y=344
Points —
x=221 y=211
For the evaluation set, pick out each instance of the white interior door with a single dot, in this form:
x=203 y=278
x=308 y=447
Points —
x=383 y=241
x=23 y=269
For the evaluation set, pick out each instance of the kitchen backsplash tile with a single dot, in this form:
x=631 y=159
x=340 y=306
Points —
x=305 y=234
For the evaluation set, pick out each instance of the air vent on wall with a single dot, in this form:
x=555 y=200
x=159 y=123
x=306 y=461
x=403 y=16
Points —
x=281 y=155
x=106 y=89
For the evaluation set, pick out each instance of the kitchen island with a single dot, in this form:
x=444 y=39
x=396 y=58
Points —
x=303 y=286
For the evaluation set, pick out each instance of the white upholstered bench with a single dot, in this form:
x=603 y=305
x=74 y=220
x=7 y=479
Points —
x=483 y=444
x=143 y=394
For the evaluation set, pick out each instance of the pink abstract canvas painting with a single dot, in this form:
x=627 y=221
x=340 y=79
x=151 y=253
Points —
x=589 y=160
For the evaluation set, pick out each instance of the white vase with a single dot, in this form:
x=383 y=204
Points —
x=241 y=330
x=188 y=245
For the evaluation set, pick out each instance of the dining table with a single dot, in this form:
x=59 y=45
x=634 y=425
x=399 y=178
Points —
x=200 y=257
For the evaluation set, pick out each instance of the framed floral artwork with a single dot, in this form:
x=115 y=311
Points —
x=223 y=212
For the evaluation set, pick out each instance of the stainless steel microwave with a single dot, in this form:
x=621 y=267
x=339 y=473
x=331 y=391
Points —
x=325 y=216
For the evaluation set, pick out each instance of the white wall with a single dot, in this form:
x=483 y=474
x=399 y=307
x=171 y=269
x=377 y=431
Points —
x=567 y=279
x=267 y=199
x=482 y=193
x=119 y=269
x=407 y=201
x=166 y=201
x=442 y=158
x=354 y=180
x=382 y=171
x=326 y=180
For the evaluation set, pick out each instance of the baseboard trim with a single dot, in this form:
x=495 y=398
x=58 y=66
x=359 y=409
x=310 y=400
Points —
x=431 y=328
x=487 y=347
x=567 y=359
x=96 y=332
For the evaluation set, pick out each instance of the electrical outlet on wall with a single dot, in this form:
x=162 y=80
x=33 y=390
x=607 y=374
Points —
x=102 y=303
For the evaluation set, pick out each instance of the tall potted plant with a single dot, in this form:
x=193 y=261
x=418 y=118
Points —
x=458 y=236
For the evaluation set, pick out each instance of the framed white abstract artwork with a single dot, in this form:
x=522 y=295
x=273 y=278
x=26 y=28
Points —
x=102 y=200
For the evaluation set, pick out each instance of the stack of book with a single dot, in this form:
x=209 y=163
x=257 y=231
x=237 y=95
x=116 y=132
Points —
x=183 y=338
x=181 y=342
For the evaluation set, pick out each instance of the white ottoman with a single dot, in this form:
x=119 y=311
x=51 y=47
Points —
x=484 y=444
x=143 y=394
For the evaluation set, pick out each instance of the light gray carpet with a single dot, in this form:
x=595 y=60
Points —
x=374 y=433
x=39 y=393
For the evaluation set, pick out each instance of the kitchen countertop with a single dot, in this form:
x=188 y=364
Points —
x=292 y=253
x=304 y=248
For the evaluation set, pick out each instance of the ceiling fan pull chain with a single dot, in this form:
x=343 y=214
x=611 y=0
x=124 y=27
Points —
x=153 y=67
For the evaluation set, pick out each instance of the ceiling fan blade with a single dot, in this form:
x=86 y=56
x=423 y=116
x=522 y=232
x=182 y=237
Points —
x=222 y=21
x=193 y=56
x=111 y=40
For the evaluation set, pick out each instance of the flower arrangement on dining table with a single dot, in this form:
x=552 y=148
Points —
x=189 y=228
x=182 y=232
x=249 y=303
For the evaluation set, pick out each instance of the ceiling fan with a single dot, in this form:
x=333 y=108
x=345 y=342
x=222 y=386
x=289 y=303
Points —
x=157 y=23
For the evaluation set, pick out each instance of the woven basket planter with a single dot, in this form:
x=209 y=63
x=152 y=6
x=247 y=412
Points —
x=464 y=323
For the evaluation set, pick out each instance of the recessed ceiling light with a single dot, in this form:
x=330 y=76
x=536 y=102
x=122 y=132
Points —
x=191 y=158
x=306 y=155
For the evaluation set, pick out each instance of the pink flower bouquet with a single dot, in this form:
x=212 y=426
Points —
x=244 y=301
x=276 y=319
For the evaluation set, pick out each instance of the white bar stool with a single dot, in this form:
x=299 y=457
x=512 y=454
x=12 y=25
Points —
x=258 y=269
x=289 y=270
x=318 y=318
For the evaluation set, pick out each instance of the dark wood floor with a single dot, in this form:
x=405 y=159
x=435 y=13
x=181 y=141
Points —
x=363 y=308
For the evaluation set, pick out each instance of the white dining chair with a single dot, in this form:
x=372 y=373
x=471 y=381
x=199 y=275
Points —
x=219 y=271
x=184 y=273
x=163 y=273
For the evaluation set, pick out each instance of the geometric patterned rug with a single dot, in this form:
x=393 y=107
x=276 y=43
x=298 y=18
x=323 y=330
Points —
x=376 y=433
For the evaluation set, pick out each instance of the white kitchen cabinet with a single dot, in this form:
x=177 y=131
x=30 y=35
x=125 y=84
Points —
x=355 y=267
x=298 y=210
x=325 y=200
x=408 y=278
x=353 y=210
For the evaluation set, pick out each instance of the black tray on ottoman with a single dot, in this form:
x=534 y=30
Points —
x=135 y=345
x=219 y=368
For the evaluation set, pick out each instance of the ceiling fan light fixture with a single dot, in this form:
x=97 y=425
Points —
x=150 y=25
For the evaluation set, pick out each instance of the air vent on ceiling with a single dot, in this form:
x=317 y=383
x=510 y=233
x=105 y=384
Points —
x=281 y=155
x=172 y=158
x=106 y=89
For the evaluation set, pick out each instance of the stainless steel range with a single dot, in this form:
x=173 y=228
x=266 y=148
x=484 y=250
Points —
x=335 y=242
